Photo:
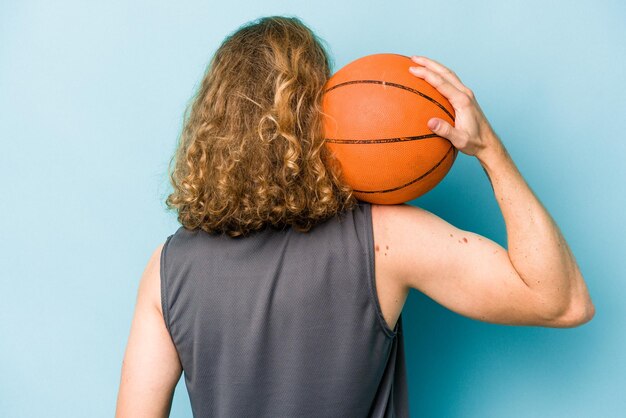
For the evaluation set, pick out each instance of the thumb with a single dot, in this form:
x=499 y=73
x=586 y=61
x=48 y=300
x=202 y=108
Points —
x=443 y=128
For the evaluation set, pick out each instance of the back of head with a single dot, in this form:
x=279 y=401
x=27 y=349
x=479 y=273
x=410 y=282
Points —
x=252 y=152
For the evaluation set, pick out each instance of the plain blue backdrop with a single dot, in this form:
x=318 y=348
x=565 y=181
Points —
x=91 y=102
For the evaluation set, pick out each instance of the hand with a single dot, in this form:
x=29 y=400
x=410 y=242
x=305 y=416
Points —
x=471 y=134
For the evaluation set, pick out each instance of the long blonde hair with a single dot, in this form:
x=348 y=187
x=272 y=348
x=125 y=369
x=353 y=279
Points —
x=252 y=151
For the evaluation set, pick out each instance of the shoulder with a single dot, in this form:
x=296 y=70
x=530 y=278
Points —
x=150 y=282
x=389 y=221
x=408 y=235
x=396 y=222
x=386 y=222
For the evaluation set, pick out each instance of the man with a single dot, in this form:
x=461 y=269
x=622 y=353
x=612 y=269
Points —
x=283 y=324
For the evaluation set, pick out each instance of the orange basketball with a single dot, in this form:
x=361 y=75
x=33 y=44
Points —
x=375 y=124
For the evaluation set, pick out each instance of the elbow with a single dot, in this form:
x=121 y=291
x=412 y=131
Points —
x=579 y=313
x=588 y=313
x=580 y=308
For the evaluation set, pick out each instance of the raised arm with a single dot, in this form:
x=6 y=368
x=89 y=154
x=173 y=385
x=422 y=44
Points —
x=535 y=282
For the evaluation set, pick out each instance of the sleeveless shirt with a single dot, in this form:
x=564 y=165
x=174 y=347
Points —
x=281 y=323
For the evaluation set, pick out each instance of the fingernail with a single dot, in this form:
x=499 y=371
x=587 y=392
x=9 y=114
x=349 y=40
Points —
x=433 y=124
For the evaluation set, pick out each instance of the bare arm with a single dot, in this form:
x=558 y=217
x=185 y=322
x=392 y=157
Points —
x=536 y=246
x=535 y=282
x=151 y=367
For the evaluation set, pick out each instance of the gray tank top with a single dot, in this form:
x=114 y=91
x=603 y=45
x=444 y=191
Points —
x=282 y=323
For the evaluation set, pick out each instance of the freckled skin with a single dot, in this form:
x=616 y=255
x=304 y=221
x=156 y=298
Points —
x=377 y=249
x=464 y=239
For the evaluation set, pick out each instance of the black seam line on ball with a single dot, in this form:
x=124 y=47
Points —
x=400 y=86
x=412 y=181
x=382 y=140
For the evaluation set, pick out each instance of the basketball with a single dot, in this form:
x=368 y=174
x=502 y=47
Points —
x=375 y=119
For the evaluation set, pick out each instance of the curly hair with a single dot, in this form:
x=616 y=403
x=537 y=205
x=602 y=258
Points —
x=252 y=151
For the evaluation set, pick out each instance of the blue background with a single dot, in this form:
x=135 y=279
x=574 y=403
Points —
x=91 y=102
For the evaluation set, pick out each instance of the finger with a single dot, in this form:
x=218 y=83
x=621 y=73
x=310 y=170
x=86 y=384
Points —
x=444 y=129
x=442 y=70
x=431 y=63
x=456 y=97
